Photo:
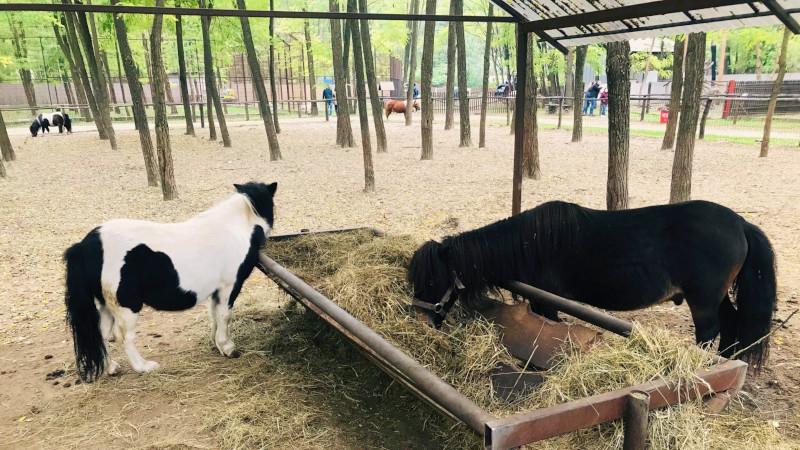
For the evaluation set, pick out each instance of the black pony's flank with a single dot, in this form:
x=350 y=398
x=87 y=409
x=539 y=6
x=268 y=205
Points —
x=84 y=262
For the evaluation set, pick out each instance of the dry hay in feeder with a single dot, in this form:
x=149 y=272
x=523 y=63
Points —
x=366 y=275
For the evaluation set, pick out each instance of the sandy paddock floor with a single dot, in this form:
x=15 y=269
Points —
x=62 y=186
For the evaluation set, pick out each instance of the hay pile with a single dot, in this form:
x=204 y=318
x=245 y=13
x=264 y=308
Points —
x=367 y=276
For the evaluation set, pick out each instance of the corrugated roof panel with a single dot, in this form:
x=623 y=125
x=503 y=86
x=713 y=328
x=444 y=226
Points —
x=731 y=16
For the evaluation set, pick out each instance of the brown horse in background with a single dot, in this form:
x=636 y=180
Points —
x=398 y=106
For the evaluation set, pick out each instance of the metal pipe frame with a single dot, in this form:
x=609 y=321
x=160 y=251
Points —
x=519 y=118
x=587 y=314
x=515 y=430
x=126 y=9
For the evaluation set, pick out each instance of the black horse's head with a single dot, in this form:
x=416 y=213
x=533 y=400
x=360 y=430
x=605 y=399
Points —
x=434 y=281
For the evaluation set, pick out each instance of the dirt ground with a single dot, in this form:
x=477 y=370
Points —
x=62 y=186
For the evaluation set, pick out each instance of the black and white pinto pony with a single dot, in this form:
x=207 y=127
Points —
x=122 y=265
x=617 y=260
x=57 y=118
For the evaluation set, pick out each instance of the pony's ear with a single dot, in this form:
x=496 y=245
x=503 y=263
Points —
x=238 y=187
x=272 y=188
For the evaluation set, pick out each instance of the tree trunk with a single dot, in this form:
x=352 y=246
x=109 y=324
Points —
x=211 y=86
x=569 y=74
x=675 y=94
x=463 y=90
x=406 y=53
x=98 y=79
x=346 y=55
x=451 y=68
x=723 y=50
x=412 y=60
x=80 y=94
x=148 y=64
x=6 y=149
x=312 y=77
x=21 y=56
x=776 y=89
x=372 y=82
x=258 y=82
x=618 y=66
x=361 y=96
x=137 y=99
x=72 y=38
x=681 y=186
x=577 y=94
x=71 y=99
x=344 y=132
x=168 y=187
x=426 y=75
x=187 y=109
x=530 y=149
x=272 y=88
x=758 y=60
x=109 y=80
x=485 y=91
x=703 y=118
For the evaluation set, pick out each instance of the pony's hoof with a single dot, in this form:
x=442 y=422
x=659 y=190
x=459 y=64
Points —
x=113 y=367
x=148 y=366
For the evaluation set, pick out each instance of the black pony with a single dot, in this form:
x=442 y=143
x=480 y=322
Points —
x=617 y=260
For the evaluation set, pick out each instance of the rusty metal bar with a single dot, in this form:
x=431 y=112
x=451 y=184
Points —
x=573 y=308
x=396 y=363
x=536 y=425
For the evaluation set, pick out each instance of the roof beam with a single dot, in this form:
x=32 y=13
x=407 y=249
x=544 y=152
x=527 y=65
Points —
x=654 y=8
x=126 y=9
x=783 y=15
x=542 y=35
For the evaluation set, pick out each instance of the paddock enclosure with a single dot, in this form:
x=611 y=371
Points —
x=296 y=383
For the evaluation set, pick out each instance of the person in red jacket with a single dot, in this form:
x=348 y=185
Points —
x=603 y=101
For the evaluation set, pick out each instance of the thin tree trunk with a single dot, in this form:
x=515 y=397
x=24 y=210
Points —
x=703 y=118
x=109 y=80
x=485 y=91
x=258 y=82
x=758 y=60
x=211 y=86
x=168 y=186
x=361 y=96
x=681 y=186
x=72 y=37
x=272 y=88
x=347 y=53
x=412 y=59
x=569 y=74
x=577 y=94
x=619 y=117
x=675 y=94
x=372 y=82
x=98 y=79
x=463 y=90
x=344 y=131
x=137 y=99
x=6 y=149
x=530 y=149
x=312 y=77
x=723 y=50
x=71 y=99
x=426 y=75
x=451 y=68
x=776 y=89
x=21 y=55
x=148 y=64
x=187 y=109
x=80 y=94
x=407 y=52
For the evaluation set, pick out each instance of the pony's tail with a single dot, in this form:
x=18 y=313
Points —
x=82 y=315
x=756 y=298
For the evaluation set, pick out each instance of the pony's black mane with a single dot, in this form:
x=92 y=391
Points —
x=505 y=250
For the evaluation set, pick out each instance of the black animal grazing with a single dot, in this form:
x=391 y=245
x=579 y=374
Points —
x=618 y=260
x=62 y=120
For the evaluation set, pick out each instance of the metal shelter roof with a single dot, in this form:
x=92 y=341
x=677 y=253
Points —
x=579 y=22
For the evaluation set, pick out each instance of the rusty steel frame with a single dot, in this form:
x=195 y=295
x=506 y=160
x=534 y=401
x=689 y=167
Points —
x=515 y=430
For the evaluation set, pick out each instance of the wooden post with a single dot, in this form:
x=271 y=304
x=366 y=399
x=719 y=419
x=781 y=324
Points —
x=703 y=118
x=649 y=90
x=202 y=119
x=634 y=419
x=519 y=123
x=327 y=113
